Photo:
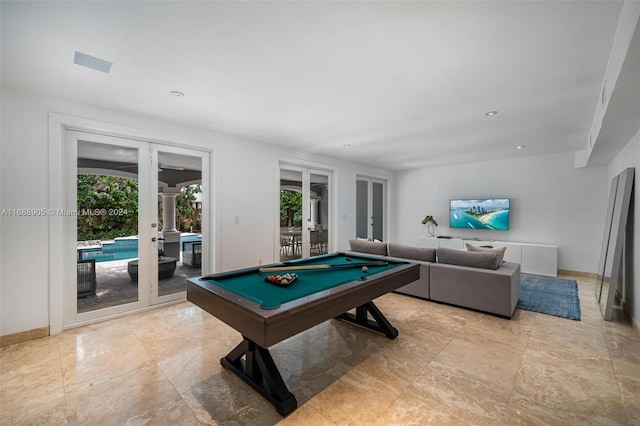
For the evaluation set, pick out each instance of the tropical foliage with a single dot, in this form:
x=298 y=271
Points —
x=188 y=216
x=290 y=208
x=108 y=208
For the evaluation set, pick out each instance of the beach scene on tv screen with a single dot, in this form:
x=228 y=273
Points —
x=480 y=214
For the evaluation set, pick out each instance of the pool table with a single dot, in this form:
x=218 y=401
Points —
x=266 y=313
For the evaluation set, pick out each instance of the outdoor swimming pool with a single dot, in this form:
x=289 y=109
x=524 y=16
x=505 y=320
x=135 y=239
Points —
x=124 y=248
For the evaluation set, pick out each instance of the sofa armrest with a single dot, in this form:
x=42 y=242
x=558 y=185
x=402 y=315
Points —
x=495 y=291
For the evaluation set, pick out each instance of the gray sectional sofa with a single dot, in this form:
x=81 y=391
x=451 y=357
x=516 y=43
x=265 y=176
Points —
x=476 y=278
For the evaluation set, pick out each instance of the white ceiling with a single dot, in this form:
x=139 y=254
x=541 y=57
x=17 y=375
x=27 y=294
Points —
x=397 y=81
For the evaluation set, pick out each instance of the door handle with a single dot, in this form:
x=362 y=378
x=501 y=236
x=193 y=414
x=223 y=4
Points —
x=154 y=239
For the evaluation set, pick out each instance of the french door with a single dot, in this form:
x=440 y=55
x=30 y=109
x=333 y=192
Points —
x=370 y=208
x=305 y=212
x=178 y=186
x=135 y=232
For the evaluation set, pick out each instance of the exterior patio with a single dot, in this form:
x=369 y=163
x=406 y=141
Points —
x=115 y=287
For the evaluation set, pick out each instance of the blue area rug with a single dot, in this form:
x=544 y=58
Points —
x=551 y=296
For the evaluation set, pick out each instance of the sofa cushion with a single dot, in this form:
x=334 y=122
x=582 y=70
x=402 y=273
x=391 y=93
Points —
x=410 y=252
x=474 y=259
x=499 y=251
x=366 y=246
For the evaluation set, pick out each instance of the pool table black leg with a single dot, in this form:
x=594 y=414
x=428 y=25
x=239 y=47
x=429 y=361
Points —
x=260 y=371
x=380 y=324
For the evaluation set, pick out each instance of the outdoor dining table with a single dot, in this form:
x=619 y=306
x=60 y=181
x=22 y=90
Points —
x=292 y=237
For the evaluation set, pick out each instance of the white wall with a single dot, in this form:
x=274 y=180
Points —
x=630 y=157
x=246 y=184
x=551 y=203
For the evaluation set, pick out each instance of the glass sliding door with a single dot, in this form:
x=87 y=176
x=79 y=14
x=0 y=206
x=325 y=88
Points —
x=178 y=177
x=291 y=213
x=109 y=197
x=370 y=208
x=136 y=221
x=305 y=212
x=377 y=210
x=362 y=209
x=319 y=208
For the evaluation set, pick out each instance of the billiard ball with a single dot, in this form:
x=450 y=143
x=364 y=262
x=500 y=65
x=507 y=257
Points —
x=365 y=269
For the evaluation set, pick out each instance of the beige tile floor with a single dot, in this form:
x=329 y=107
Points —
x=449 y=366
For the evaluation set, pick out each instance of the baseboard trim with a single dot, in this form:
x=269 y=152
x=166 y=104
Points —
x=24 y=336
x=580 y=274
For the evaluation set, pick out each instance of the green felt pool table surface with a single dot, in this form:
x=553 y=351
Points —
x=252 y=285
x=268 y=313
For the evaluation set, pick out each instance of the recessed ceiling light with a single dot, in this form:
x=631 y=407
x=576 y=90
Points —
x=176 y=93
x=92 y=62
x=491 y=113
x=520 y=146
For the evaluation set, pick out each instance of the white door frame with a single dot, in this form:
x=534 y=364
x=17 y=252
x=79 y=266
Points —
x=147 y=272
x=205 y=178
x=385 y=208
x=306 y=228
x=60 y=266
x=307 y=168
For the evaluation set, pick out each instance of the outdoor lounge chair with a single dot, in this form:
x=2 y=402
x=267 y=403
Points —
x=192 y=253
x=87 y=277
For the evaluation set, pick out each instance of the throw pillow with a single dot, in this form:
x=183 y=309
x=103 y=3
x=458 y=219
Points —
x=499 y=251
x=371 y=247
x=410 y=252
x=474 y=259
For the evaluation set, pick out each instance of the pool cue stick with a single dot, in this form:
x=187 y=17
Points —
x=293 y=268
x=321 y=267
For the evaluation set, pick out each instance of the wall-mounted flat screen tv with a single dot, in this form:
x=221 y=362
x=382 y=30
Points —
x=480 y=214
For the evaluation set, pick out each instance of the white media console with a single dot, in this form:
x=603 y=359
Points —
x=540 y=259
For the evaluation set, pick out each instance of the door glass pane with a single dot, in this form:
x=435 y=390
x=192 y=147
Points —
x=290 y=214
x=179 y=231
x=107 y=225
x=377 y=219
x=362 y=209
x=318 y=213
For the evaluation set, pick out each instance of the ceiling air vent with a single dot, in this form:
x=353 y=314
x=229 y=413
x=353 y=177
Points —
x=92 y=62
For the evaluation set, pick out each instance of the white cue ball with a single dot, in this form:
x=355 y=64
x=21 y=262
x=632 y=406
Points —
x=365 y=269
